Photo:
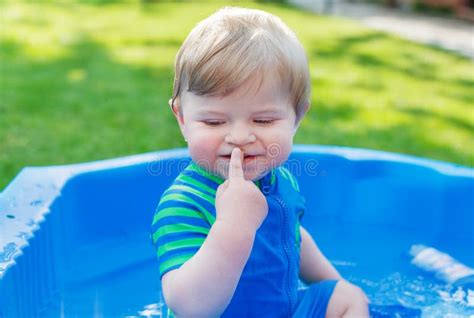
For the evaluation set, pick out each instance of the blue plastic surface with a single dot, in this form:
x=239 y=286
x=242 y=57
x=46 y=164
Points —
x=75 y=239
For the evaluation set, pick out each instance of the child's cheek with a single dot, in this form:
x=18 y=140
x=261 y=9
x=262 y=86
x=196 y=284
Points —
x=277 y=158
x=203 y=148
x=279 y=147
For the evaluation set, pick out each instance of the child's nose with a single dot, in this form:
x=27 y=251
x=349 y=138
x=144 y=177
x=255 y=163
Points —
x=240 y=135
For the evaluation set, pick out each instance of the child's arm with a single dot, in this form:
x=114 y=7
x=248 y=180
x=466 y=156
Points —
x=347 y=300
x=314 y=266
x=205 y=284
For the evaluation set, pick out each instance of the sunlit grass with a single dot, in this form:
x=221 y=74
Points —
x=84 y=82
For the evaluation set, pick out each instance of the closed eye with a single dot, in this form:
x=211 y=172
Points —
x=213 y=122
x=264 y=121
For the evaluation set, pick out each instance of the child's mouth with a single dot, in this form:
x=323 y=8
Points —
x=247 y=158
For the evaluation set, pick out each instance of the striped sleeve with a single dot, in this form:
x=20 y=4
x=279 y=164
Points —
x=180 y=225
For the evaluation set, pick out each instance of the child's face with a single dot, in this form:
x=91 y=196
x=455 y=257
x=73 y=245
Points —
x=259 y=122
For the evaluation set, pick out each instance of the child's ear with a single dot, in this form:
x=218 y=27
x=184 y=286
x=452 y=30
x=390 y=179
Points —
x=300 y=117
x=174 y=105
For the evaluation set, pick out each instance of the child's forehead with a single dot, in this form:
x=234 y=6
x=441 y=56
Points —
x=219 y=111
x=259 y=86
x=231 y=106
x=258 y=90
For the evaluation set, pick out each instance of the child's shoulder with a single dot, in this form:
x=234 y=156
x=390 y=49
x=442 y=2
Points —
x=192 y=181
x=190 y=195
x=192 y=186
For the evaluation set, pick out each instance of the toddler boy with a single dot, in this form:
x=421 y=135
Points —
x=227 y=231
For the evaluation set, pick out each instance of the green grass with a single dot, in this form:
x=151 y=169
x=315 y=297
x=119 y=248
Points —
x=92 y=81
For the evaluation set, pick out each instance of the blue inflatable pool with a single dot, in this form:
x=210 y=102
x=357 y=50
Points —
x=75 y=240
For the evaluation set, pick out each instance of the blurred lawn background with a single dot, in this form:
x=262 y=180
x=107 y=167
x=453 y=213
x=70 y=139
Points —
x=89 y=81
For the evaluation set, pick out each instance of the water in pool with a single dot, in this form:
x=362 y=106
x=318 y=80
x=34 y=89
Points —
x=395 y=287
x=394 y=296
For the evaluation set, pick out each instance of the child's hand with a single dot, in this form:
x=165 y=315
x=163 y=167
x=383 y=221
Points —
x=238 y=201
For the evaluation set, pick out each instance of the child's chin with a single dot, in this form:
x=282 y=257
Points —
x=251 y=176
x=248 y=175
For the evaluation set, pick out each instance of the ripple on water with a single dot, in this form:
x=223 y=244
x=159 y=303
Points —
x=152 y=310
x=435 y=299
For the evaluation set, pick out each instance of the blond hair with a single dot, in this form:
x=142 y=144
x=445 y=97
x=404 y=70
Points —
x=234 y=45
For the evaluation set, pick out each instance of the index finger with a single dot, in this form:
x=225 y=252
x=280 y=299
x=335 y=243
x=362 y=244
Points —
x=235 y=166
